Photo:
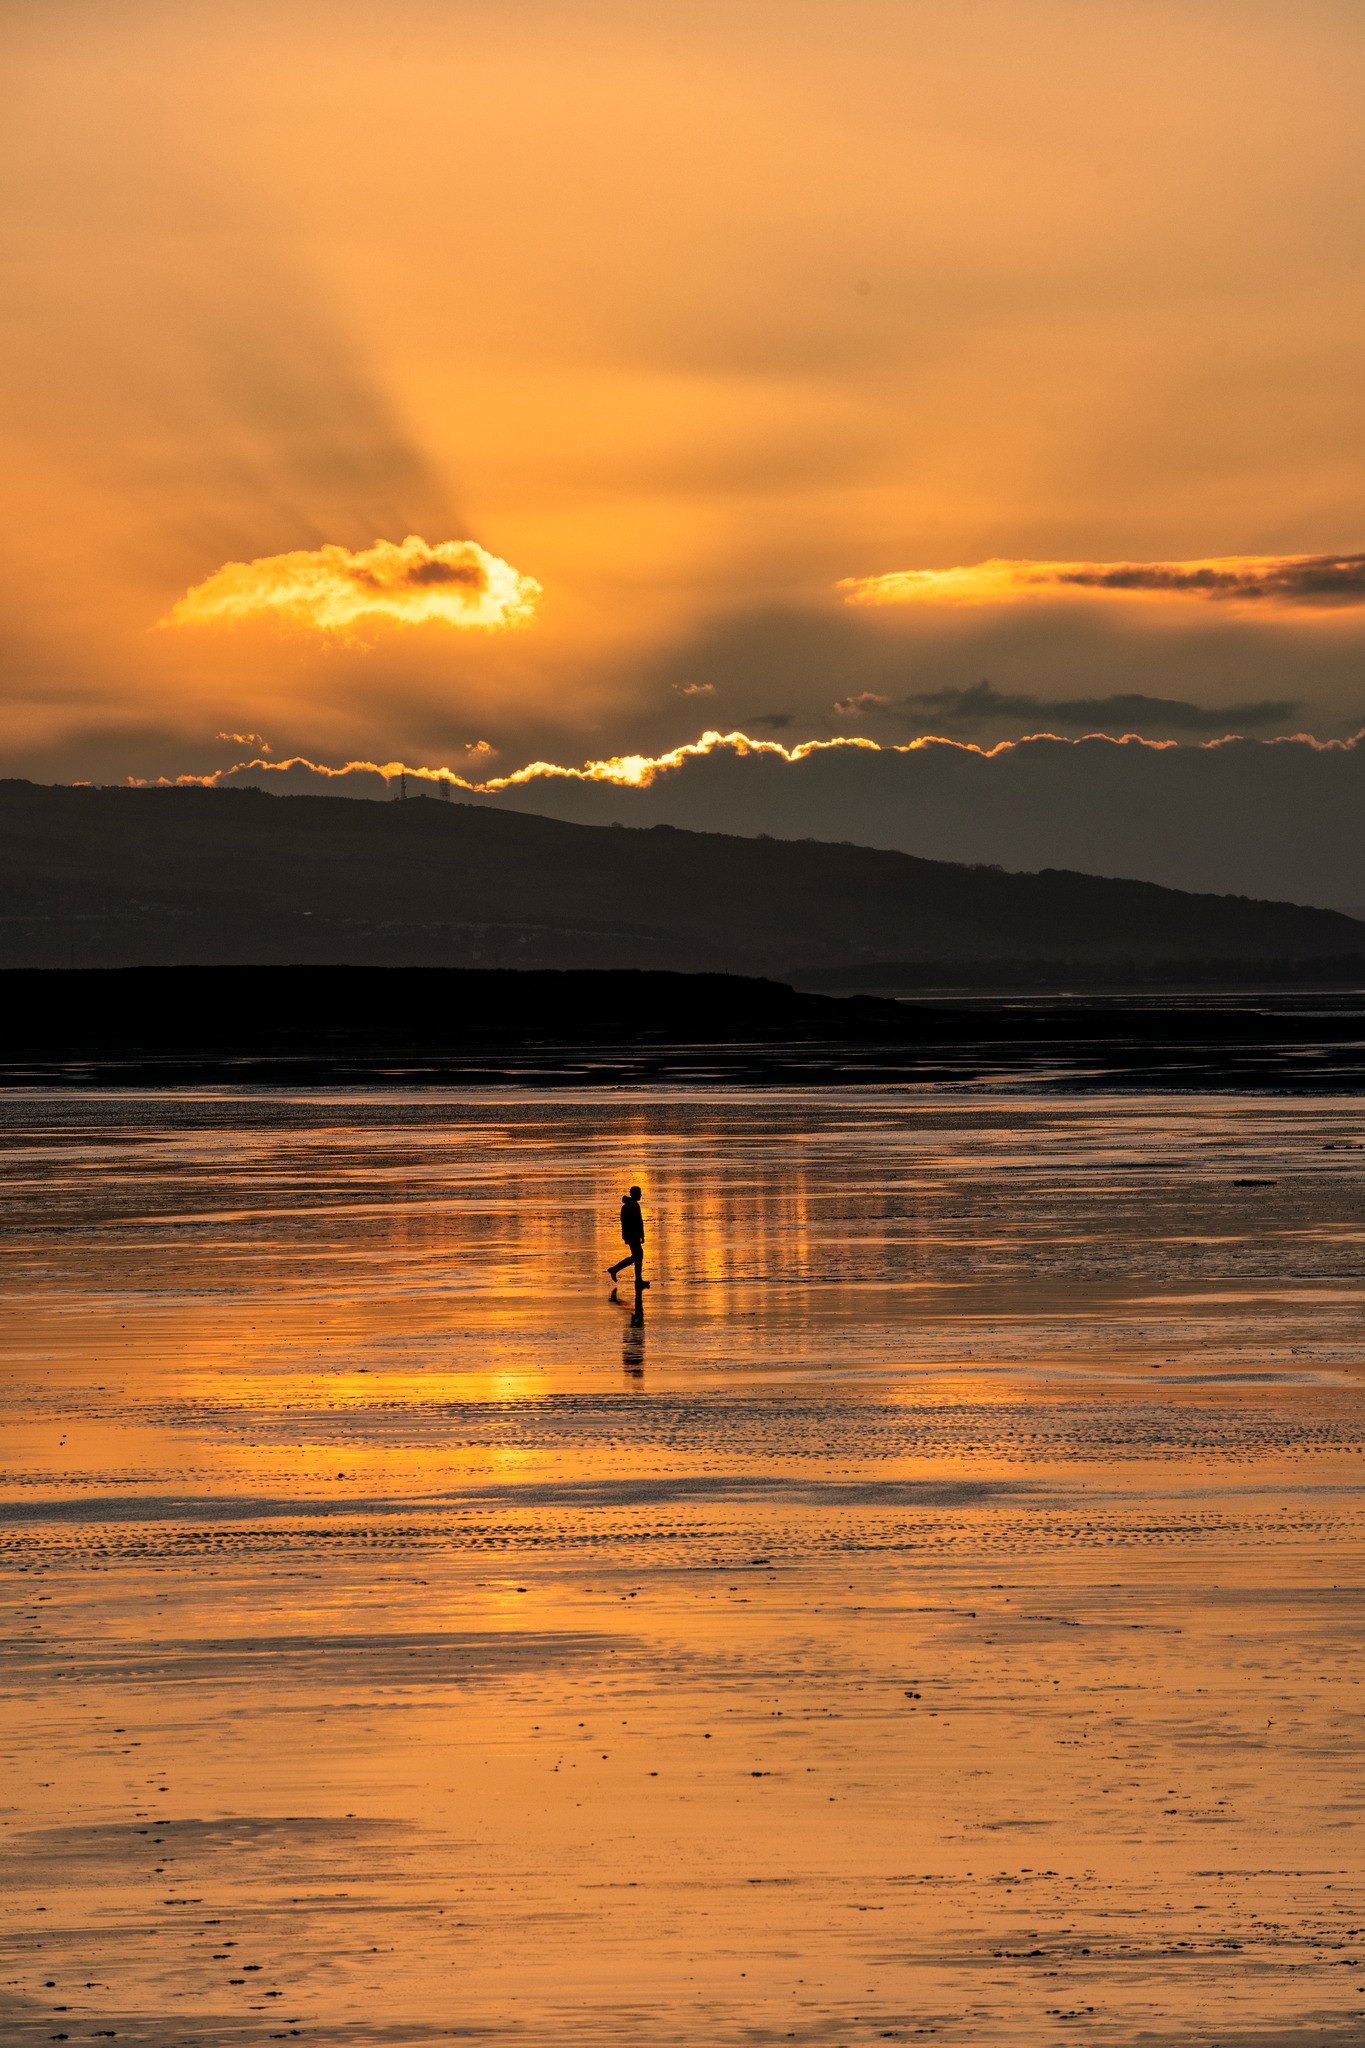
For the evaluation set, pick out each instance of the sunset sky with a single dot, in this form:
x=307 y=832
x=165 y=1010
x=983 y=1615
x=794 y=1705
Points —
x=466 y=385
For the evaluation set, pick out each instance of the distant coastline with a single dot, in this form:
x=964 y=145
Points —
x=424 y=1028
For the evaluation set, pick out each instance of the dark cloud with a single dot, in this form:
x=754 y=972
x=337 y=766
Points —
x=473 y=574
x=1272 y=818
x=1084 y=670
x=1284 y=581
x=1127 y=711
x=1291 y=579
x=1277 y=818
x=870 y=700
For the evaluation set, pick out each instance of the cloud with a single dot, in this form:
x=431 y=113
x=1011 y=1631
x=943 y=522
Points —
x=1273 y=818
x=300 y=776
x=866 y=700
x=695 y=689
x=269 y=296
x=637 y=771
x=1129 y=711
x=1285 y=582
x=413 y=582
x=1084 y=657
x=368 y=778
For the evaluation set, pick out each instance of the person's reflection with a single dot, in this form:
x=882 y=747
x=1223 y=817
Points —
x=633 y=1343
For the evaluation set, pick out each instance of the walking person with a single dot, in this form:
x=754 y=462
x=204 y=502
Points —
x=633 y=1233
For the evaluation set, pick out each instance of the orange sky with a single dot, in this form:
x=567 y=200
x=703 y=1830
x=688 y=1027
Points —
x=688 y=315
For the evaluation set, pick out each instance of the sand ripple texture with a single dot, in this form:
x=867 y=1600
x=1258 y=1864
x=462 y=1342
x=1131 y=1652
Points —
x=402 y=1644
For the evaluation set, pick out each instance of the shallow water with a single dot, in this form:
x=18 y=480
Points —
x=404 y=1645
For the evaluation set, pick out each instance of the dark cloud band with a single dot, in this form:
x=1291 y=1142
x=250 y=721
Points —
x=1276 y=818
x=1123 y=712
x=1290 y=582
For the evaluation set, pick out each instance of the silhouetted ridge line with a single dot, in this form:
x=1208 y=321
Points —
x=123 y=877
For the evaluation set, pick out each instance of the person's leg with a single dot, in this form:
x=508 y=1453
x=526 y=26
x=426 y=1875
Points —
x=637 y=1253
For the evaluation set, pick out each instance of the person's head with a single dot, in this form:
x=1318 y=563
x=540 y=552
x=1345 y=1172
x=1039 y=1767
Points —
x=635 y=1194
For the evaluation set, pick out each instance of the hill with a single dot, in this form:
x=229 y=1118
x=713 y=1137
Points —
x=125 y=877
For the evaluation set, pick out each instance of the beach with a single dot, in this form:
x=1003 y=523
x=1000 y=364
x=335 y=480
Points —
x=936 y=1618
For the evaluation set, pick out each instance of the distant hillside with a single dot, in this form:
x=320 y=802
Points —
x=122 y=877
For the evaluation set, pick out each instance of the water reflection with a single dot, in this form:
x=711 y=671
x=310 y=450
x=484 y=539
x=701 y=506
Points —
x=431 y=1648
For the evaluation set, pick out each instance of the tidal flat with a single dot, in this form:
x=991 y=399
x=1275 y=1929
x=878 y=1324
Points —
x=405 y=1643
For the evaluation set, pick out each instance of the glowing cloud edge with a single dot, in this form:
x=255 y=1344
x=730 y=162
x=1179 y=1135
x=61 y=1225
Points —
x=333 y=589
x=639 y=771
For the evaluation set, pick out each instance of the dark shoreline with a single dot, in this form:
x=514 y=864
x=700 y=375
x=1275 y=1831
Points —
x=311 y=1027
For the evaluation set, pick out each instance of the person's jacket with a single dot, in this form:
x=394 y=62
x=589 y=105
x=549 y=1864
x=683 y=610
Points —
x=632 y=1222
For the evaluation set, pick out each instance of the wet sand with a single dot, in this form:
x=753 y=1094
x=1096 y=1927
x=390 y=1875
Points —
x=402 y=1646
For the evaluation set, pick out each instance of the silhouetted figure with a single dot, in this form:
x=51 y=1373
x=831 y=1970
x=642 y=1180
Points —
x=633 y=1232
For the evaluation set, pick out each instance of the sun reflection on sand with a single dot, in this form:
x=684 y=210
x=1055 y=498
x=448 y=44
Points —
x=933 y=1610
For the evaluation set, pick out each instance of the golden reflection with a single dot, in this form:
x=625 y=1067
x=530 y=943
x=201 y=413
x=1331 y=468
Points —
x=367 y=1629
